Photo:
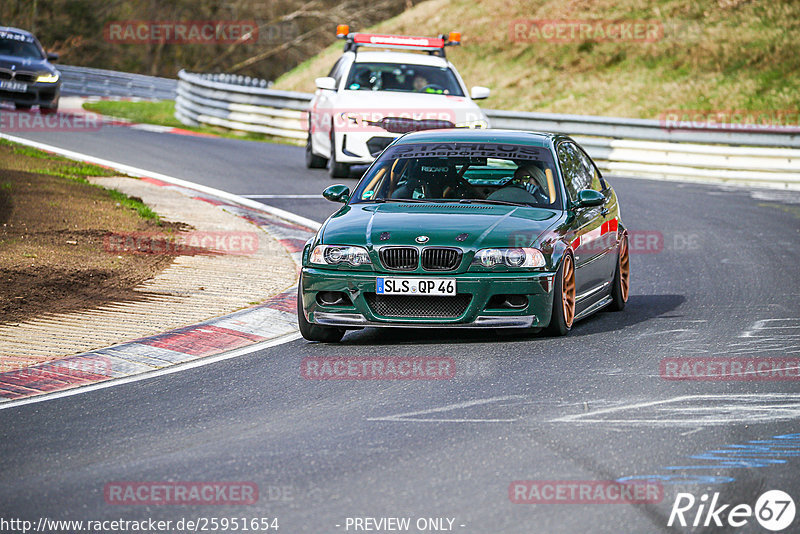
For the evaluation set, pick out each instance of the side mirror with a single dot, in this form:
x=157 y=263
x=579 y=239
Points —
x=479 y=93
x=326 y=82
x=589 y=197
x=52 y=56
x=337 y=193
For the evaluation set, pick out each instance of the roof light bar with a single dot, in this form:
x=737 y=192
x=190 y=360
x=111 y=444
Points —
x=433 y=45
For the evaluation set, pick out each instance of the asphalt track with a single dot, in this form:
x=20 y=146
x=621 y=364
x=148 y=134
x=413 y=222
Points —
x=714 y=274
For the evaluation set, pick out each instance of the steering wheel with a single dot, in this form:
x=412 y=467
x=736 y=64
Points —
x=515 y=193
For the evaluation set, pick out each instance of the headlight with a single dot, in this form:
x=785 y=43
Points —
x=481 y=124
x=336 y=254
x=47 y=78
x=511 y=257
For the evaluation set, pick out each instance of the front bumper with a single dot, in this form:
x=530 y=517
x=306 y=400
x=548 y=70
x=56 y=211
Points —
x=361 y=148
x=41 y=94
x=480 y=312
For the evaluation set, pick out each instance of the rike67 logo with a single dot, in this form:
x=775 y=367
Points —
x=774 y=510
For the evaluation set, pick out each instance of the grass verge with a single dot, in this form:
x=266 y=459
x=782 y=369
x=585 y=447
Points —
x=53 y=230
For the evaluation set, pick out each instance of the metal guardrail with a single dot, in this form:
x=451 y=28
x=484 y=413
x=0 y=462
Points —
x=249 y=107
x=85 y=81
x=636 y=147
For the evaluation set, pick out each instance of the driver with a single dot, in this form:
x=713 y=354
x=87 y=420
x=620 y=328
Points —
x=420 y=83
x=528 y=186
x=532 y=179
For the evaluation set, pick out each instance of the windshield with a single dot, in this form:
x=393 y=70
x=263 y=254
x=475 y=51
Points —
x=462 y=172
x=403 y=79
x=19 y=46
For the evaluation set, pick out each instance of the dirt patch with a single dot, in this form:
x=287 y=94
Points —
x=52 y=230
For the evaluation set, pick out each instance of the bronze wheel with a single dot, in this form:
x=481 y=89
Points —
x=624 y=269
x=568 y=291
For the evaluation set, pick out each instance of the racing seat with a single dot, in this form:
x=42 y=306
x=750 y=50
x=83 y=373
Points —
x=429 y=178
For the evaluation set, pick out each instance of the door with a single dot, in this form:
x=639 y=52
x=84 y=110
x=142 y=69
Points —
x=587 y=228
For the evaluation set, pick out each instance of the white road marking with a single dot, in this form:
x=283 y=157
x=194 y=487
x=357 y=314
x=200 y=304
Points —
x=153 y=374
x=411 y=416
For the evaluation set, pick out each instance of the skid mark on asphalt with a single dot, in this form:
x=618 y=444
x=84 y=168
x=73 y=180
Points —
x=693 y=411
x=697 y=411
x=417 y=416
x=768 y=335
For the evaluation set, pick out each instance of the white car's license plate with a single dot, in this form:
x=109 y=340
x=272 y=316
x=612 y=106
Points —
x=416 y=286
x=9 y=85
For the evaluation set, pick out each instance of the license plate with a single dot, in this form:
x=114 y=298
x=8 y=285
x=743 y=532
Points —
x=9 y=85
x=416 y=286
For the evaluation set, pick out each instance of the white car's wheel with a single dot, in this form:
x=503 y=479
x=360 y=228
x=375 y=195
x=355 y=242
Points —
x=337 y=170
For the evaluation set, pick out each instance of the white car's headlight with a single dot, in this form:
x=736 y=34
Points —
x=511 y=257
x=337 y=254
x=47 y=78
x=480 y=124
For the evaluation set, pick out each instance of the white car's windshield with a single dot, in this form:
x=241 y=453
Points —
x=403 y=78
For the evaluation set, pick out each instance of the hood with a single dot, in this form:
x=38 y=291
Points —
x=377 y=105
x=22 y=64
x=484 y=225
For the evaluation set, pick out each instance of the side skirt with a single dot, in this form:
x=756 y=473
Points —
x=602 y=303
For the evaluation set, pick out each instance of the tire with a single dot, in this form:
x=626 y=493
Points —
x=620 y=287
x=337 y=170
x=22 y=107
x=312 y=160
x=563 y=308
x=313 y=332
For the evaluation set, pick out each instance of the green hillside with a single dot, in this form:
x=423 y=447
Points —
x=709 y=55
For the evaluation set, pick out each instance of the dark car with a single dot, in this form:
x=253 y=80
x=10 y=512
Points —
x=26 y=76
x=467 y=228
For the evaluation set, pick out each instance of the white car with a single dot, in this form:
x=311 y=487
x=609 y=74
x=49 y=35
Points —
x=369 y=98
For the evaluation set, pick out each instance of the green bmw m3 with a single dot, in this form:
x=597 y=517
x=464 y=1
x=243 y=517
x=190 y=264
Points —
x=469 y=229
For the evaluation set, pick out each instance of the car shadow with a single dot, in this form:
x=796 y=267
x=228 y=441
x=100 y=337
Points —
x=639 y=309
